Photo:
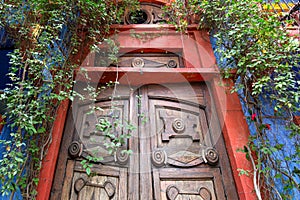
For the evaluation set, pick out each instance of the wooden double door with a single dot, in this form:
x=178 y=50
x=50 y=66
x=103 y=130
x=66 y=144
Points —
x=177 y=147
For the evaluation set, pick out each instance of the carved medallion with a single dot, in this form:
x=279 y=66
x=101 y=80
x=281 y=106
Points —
x=211 y=156
x=75 y=149
x=158 y=158
x=138 y=63
x=172 y=63
x=178 y=125
x=122 y=157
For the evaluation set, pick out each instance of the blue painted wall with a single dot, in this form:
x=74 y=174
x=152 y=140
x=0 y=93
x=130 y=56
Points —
x=278 y=134
x=4 y=65
x=6 y=46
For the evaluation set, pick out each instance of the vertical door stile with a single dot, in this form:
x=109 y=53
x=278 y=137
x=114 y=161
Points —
x=208 y=119
x=145 y=139
x=133 y=170
x=64 y=172
x=215 y=128
x=154 y=145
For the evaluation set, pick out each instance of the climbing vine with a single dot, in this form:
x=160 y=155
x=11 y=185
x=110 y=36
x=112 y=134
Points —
x=51 y=38
x=258 y=54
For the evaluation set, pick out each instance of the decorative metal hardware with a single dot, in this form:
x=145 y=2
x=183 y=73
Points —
x=108 y=186
x=172 y=192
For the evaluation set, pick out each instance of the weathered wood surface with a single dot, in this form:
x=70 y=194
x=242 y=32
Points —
x=177 y=153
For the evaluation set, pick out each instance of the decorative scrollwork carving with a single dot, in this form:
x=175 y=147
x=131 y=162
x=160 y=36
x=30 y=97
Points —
x=172 y=63
x=178 y=125
x=122 y=157
x=75 y=149
x=79 y=184
x=108 y=186
x=205 y=194
x=172 y=192
x=211 y=155
x=147 y=14
x=138 y=63
x=158 y=158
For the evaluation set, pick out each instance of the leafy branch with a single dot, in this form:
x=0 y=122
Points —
x=51 y=39
x=257 y=52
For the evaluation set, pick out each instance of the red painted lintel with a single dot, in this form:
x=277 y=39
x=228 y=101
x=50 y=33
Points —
x=147 y=75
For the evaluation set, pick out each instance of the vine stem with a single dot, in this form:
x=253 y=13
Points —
x=255 y=175
x=48 y=141
x=286 y=174
x=20 y=173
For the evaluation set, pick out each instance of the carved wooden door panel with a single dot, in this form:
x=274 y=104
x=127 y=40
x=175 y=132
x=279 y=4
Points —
x=182 y=151
x=178 y=149
x=110 y=178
